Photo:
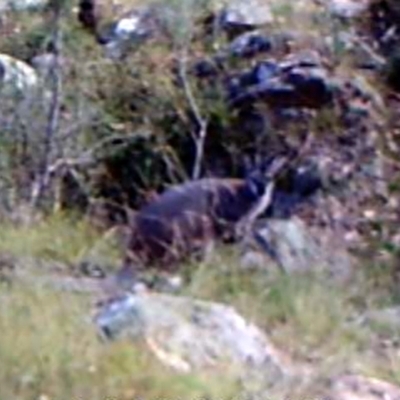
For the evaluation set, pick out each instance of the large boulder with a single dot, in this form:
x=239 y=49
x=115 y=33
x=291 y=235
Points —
x=297 y=248
x=300 y=81
x=22 y=5
x=191 y=335
x=16 y=77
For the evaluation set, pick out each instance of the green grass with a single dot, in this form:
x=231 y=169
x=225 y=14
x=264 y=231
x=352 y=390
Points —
x=307 y=314
x=60 y=237
x=306 y=306
x=49 y=349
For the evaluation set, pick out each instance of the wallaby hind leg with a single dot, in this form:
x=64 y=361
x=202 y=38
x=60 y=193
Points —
x=205 y=252
x=126 y=279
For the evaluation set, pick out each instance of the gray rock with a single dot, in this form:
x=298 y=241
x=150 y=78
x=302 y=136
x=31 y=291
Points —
x=389 y=317
x=21 y=5
x=240 y=15
x=298 y=249
x=249 y=44
x=129 y=32
x=298 y=83
x=347 y=8
x=16 y=77
x=193 y=335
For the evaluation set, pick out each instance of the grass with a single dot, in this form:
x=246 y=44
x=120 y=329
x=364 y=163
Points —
x=308 y=315
x=61 y=238
x=52 y=351
x=305 y=305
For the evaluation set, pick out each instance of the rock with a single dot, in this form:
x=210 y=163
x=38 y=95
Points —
x=249 y=45
x=389 y=317
x=284 y=204
x=384 y=24
x=205 y=68
x=356 y=387
x=264 y=71
x=91 y=269
x=299 y=249
x=21 y=5
x=193 y=335
x=132 y=26
x=347 y=8
x=129 y=31
x=142 y=23
x=305 y=180
x=121 y=25
x=301 y=83
x=16 y=77
x=240 y=16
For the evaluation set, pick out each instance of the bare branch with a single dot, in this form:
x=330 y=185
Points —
x=41 y=183
x=200 y=138
x=84 y=160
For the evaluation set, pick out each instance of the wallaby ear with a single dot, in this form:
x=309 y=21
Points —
x=256 y=183
x=258 y=180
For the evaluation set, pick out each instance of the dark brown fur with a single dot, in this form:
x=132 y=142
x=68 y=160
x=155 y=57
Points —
x=186 y=219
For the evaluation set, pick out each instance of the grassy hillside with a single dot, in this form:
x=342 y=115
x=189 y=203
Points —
x=51 y=350
x=130 y=120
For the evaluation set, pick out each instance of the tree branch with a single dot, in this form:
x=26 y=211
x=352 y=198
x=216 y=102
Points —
x=42 y=181
x=200 y=138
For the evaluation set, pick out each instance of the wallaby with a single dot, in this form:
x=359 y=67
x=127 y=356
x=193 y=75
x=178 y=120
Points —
x=188 y=219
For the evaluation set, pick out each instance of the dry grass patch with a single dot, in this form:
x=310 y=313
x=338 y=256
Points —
x=60 y=237
x=49 y=347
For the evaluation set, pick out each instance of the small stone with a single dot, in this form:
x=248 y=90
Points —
x=249 y=45
x=246 y=12
x=369 y=214
x=16 y=75
x=347 y=8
